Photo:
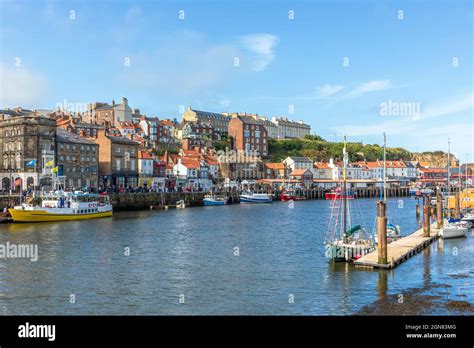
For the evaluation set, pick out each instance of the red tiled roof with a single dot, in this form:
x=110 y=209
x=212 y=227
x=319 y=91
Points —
x=275 y=165
x=321 y=165
x=144 y=155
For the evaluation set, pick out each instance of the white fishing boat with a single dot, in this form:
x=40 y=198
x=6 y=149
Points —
x=453 y=231
x=212 y=200
x=250 y=197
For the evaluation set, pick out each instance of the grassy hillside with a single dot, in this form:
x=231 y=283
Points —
x=318 y=149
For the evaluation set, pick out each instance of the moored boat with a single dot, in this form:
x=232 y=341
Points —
x=290 y=195
x=453 y=231
x=212 y=200
x=250 y=197
x=337 y=194
x=63 y=206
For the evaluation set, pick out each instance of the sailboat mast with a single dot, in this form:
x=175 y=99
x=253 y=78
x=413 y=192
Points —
x=344 y=193
x=448 y=187
x=384 y=168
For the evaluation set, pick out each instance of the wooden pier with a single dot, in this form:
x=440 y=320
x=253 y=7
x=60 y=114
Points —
x=400 y=250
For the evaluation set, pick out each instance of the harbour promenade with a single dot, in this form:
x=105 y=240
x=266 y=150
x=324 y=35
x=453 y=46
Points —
x=165 y=200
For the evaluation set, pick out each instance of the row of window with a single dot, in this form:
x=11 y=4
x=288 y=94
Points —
x=85 y=211
x=82 y=147
x=73 y=158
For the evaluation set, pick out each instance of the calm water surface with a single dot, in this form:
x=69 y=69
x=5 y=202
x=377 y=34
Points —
x=190 y=252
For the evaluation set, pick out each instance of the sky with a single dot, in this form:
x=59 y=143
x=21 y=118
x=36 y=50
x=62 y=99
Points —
x=359 y=68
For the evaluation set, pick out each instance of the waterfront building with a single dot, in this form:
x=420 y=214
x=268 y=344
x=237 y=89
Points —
x=322 y=170
x=275 y=170
x=117 y=161
x=304 y=176
x=412 y=170
x=249 y=135
x=241 y=166
x=433 y=176
x=294 y=163
x=77 y=160
x=27 y=142
x=220 y=122
x=290 y=129
x=145 y=169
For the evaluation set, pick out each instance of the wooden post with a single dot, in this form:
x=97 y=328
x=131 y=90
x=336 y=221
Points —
x=426 y=220
x=439 y=211
x=418 y=211
x=382 y=232
x=457 y=206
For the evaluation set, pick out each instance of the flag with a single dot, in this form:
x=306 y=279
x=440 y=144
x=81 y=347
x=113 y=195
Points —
x=31 y=163
x=49 y=164
x=54 y=170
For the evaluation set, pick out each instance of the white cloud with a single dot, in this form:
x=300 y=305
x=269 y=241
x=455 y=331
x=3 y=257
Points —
x=368 y=87
x=20 y=87
x=261 y=48
x=328 y=90
x=403 y=125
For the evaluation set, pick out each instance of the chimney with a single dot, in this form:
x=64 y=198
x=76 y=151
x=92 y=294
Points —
x=124 y=101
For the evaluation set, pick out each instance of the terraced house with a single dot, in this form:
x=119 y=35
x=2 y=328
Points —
x=27 y=142
x=77 y=160
x=118 y=165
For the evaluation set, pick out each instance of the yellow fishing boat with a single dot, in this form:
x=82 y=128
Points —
x=65 y=206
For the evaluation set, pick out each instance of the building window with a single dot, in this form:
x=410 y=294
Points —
x=117 y=165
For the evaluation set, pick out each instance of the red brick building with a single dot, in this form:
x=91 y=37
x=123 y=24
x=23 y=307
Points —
x=249 y=135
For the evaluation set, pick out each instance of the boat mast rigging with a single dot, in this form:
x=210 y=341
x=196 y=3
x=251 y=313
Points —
x=344 y=192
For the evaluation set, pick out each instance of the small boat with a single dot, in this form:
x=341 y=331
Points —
x=250 y=197
x=336 y=194
x=453 y=231
x=290 y=195
x=393 y=233
x=211 y=200
x=468 y=217
x=63 y=206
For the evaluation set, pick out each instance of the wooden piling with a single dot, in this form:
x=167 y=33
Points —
x=426 y=220
x=439 y=211
x=382 y=232
x=418 y=211
x=457 y=205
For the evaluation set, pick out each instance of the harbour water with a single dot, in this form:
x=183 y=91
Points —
x=237 y=259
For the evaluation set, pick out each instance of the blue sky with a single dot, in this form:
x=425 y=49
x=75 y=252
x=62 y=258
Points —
x=420 y=58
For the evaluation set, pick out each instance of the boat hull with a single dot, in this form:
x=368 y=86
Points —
x=44 y=216
x=448 y=233
x=249 y=199
x=330 y=196
x=286 y=198
x=210 y=202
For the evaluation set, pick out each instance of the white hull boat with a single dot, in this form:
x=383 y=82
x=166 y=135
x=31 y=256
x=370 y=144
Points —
x=255 y=198
x=453 y=231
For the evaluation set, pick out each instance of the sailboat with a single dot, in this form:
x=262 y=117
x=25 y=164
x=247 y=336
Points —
x=344 y=241
x=453 y=228
x=393 y=231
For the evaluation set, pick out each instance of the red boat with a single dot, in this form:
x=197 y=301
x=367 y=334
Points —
x=291 y=196
x=336 y=194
